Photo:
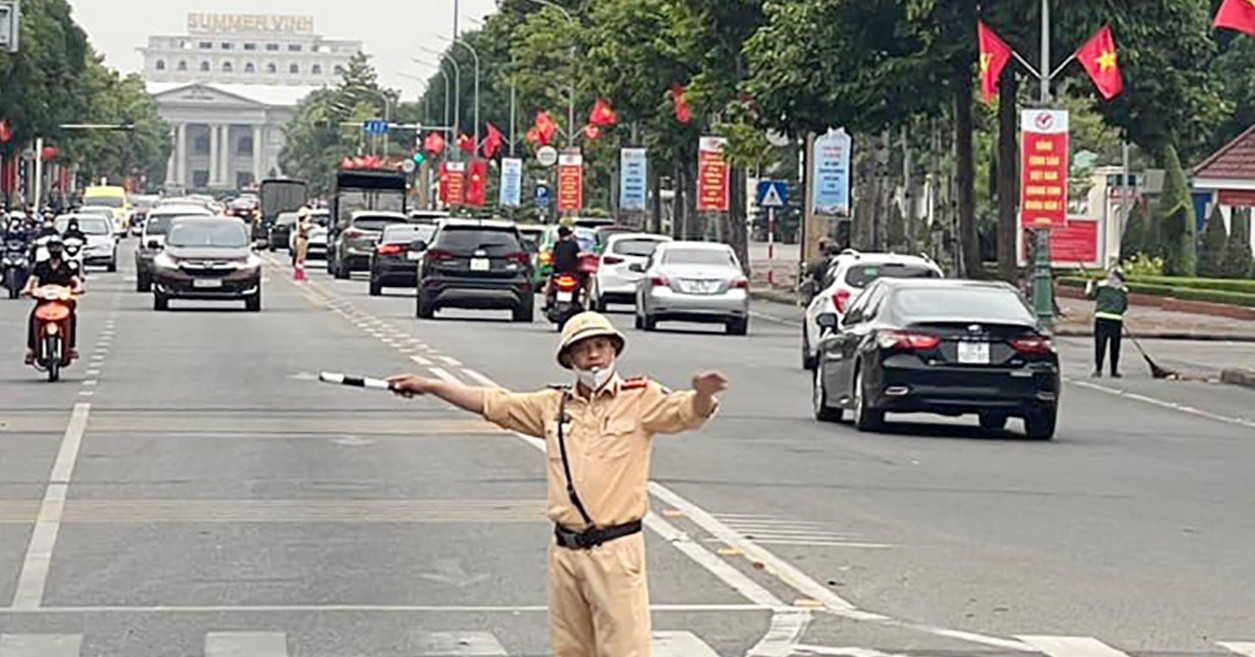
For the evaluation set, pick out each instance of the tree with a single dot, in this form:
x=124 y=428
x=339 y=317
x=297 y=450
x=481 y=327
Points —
x=1136 y=234
x=1178 y=226
x=1211 y=254
x=1238 y=261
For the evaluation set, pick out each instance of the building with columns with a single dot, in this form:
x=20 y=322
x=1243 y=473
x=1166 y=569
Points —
x=228 y=89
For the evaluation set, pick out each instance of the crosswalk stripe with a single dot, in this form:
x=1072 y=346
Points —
x=246 y=644
x=40 y=645
x=461 y=644
x=1245 y=648
x=1071 y=646
x=681 y=644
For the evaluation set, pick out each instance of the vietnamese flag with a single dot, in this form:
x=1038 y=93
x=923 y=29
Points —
x=683 y=113
x=545 y=128
x=492 y=142
x=434 y=144
x=1237 y=15
x=994 y=55
x=346 y=163
x=477 y=186
x=1098 y=56
x=6 y=133
x=603 y=115
x=592 y=132
x=466 y=143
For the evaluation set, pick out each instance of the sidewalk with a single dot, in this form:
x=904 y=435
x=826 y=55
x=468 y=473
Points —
x=1150 y=322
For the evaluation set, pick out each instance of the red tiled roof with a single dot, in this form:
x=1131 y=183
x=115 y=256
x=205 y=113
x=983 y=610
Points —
x=1235 y=159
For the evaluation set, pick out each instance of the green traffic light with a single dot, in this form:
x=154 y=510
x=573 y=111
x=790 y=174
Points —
x=419 y=157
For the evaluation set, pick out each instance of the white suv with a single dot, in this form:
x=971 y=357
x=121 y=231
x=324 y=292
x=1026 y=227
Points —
x=848 y=274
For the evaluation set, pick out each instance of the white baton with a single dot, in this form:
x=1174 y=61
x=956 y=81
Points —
x=354 y=381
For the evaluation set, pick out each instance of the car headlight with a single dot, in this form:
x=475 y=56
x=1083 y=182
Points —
x=164 y=261
x=251 y=262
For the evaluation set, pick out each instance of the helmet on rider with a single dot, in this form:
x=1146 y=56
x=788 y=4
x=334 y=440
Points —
x=564 y=231
x=56 y=248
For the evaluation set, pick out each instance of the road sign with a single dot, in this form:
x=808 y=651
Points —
x=10 y=24
x=773 y=193
x=409 y=166
x=541 y=196
x=547 y=156
x=375 y=127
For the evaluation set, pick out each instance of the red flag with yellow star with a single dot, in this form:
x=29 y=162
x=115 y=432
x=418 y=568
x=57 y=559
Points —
x=477 y=186
x=1098 y=56
x=1237 y=15
x=994 y=55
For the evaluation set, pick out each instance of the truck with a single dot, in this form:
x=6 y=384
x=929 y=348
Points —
x=356 y=191
x=278 y=195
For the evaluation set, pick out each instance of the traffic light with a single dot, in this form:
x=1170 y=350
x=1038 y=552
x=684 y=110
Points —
x=418 y=157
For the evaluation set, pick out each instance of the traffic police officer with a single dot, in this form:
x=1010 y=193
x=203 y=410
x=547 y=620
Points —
x=598 y=435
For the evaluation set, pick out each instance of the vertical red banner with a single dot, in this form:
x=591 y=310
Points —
x=712 y=175
x=570 y=182
x=477 y=186
x=1044 y=188
x=453 y=183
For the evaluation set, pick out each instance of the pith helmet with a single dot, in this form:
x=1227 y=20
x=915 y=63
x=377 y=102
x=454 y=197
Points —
x=584 y=326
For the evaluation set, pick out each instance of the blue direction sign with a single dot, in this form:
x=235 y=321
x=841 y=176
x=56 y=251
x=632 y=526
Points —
x=375 y=127
x=773 y=193
x=541 y=197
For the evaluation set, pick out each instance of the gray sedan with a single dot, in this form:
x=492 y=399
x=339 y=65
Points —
x=693 y=282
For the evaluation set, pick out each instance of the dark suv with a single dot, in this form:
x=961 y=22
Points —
x=476 y=264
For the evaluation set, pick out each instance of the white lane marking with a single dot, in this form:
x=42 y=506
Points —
x=786 y=630
x=40 y=645
x=461 y=644
x=419 y=360
x=246 y=644
x=826 y=651
x=1244 y=648
x=87 y=393
x=1071 y=646
x=258 y=609
x=34 y=576
x=480 y=378
x=1173 y=406
x=93 y=372
x=444 y=374
x=823 y=543
x=450 y=361
x=680 y=644
x=91 y=382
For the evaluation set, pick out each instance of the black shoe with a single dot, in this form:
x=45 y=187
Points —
x=1096 y=374
x=30 y=358
x=1117 y=375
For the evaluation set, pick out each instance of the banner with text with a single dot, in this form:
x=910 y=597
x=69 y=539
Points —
x=511 y=182
x=712 y=175
x=453 y=183
x=830 y=194
x=633 y=176
x=570 y=182
x=1044 y=188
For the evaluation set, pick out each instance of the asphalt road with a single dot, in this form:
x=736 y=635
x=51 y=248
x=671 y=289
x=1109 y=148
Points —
x=186 y=490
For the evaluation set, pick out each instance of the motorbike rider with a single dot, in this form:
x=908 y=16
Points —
x=56 y=270
x=15 y=231
x=566 y=260
x=73 y=231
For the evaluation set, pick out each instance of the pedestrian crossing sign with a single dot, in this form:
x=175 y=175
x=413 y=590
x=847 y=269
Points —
x=773 y=193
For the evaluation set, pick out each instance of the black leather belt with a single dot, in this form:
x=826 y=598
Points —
x=593 y=537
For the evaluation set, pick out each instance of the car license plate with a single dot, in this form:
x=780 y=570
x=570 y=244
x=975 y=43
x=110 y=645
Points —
x=974 y=353
x=566 y=297
x=480 y=264
x=414 y=255
x=205 y=283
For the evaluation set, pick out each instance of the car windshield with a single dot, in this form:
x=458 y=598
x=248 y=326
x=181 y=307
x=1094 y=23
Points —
x=286 y=219
x=89 y=225
x=720 y=257
x=97 y=210
x=160 y=224
x=320 y=218
x=635 y=247
x=497 y=242
x=106 y=201
x=224 y=234
x=962 y=303
x=407 y=233
x=862 y=275
x=376 y=223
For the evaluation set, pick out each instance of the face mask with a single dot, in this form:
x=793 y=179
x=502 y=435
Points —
x=594 y=379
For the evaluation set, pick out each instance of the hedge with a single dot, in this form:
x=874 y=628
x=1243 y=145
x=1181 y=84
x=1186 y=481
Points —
x=1225 y=284
x=1233 y=298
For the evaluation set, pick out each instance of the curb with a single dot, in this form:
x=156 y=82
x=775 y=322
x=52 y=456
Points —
x=774 y=295
x=1238 y=377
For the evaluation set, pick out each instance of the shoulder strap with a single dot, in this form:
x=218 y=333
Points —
x=566 y=466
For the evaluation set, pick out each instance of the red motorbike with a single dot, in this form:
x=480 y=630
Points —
x=52 y=329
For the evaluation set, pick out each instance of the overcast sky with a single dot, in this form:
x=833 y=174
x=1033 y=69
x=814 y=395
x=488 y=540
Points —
x=392 y=31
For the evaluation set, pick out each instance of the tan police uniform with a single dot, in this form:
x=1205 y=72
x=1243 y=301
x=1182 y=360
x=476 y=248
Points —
x=598 y=594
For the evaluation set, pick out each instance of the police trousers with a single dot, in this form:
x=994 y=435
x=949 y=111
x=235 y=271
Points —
x=599 y=600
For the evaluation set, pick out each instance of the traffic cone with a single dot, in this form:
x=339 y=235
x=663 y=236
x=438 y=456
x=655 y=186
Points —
x=298 y=274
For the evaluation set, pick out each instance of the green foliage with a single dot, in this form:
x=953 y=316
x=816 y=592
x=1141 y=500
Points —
x=1211 y=253
x=1143 y=265
x=1136 y=237
x=1237 y=261
x=1243 y=286
x=1176 y=219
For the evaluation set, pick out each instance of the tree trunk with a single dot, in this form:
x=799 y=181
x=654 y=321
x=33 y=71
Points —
x=655 y=183
x=736 y=230
x=1008 y=179
x=969 y=239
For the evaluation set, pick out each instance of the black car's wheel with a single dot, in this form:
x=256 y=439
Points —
x=526 y=310
x=808 y=360
x=637 y=321
x=819 y=399
x=993 y=421
x=865 y=417
x=376 y=289
x=253 y=303
x=649 y=323
x=143 y=282
x=425 y=308
x=1040 y=425
x=272 y=246
x=160 y=301
x=342 y=270
x=738 y=326
x=112 y=267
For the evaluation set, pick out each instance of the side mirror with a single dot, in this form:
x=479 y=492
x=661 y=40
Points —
x=637 y=267
x=809 y=288
x=418 y=245
x=154 y=244
x=828 y=321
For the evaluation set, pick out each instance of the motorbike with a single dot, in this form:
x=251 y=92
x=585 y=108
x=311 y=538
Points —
x=74 y=248
x=14 y=267
x=52 y=329
x=568 y=299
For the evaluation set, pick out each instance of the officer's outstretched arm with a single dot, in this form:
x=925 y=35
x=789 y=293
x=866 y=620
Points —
x=464 y=397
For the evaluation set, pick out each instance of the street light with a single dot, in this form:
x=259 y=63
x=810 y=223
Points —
x=457 y=89
x=571 y=99
x=475 y=54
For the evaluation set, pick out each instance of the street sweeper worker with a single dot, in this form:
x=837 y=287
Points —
x=1111 y=298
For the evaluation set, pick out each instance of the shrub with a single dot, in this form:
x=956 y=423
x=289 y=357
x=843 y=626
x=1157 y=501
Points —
x=1237 y=261
x=1212 y=249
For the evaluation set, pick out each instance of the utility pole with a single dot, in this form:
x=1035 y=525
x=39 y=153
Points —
x=1043 y=288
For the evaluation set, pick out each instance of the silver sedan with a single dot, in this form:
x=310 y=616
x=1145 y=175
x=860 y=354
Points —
x=693 y=282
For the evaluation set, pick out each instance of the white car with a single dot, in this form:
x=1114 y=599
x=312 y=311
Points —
x=692 y=282
x=848 y=274
x=615 y=282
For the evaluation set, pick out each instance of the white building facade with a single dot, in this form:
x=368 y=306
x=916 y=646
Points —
x=230 y=86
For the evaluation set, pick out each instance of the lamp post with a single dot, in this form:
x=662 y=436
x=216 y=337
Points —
x=1043 y=288
x=457 y=91
x=571 y=99
x=475 y=54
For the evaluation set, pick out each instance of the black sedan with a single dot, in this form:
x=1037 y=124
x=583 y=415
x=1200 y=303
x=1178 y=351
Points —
x=394 y=263
x=946 y=347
